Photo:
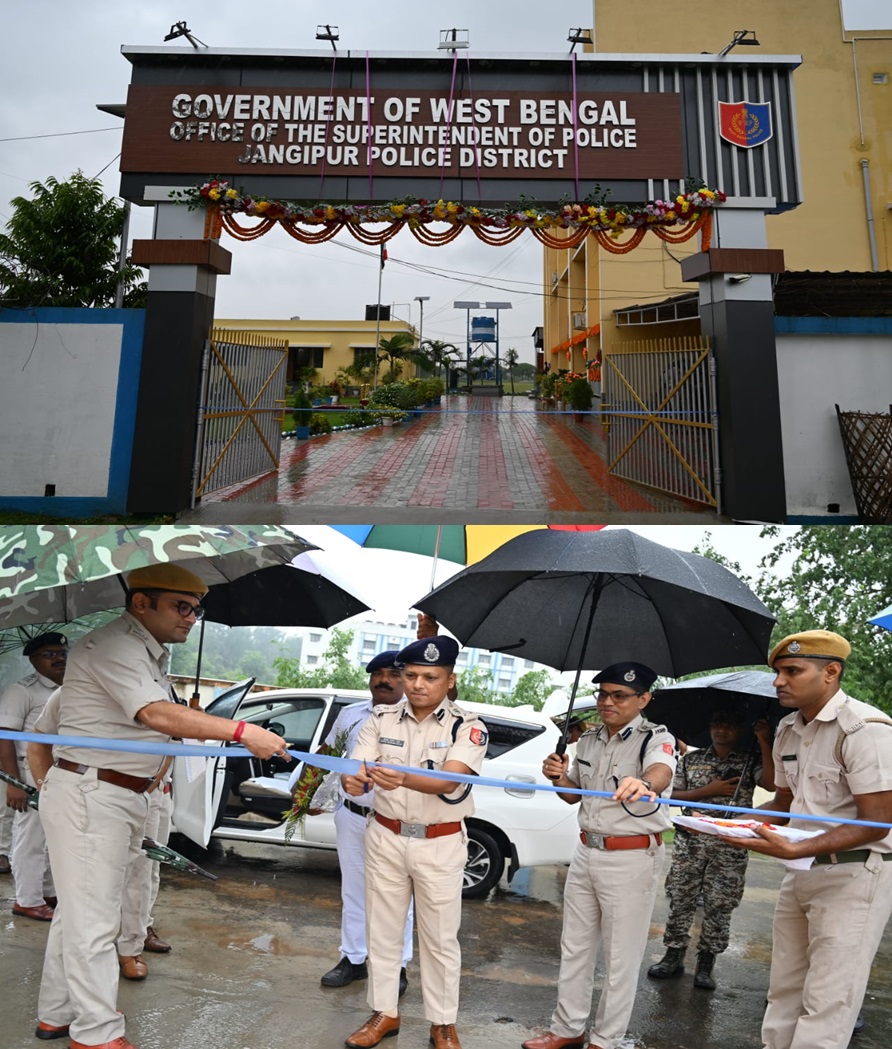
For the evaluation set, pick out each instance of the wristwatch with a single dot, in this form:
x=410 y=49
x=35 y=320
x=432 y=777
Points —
x=647 y=783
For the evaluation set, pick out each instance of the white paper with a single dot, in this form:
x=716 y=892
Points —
x=744 y=829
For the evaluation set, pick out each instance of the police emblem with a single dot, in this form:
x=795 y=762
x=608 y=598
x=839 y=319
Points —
x=745 y=124
x=431 y=653
x=629 y=675
x=794 y=647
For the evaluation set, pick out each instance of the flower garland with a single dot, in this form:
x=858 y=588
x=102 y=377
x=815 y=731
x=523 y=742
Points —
x=311 y=779
x=566 y=226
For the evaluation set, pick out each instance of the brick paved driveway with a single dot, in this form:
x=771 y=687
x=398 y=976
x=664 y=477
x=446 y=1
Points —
x=478 y=456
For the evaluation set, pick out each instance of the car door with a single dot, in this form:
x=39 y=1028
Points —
x=199 y=785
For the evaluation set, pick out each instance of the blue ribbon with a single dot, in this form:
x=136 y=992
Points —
x=350 y=766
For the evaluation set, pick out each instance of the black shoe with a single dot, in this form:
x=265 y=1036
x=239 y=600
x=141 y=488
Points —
x=404 y=981
x=343 y=973
x=671 y=964
x=703 y=975
x=859 y=1024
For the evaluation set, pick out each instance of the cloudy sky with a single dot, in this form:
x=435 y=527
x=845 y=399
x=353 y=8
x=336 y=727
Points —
x=62 y=59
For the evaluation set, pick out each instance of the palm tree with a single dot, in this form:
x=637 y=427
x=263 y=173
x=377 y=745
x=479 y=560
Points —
x=395 y=350
x=510 y=364
x=435 y=353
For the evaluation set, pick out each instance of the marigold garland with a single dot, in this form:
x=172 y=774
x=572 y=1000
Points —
x=674 y=220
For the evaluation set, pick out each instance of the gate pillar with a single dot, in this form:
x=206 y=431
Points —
x=183 y=268
x=737 y=314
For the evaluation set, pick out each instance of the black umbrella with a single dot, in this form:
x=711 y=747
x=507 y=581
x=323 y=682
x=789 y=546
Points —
x=307 y=592
x=686 y=707
x=585 y=600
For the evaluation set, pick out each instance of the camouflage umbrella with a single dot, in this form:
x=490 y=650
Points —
x=58 y=573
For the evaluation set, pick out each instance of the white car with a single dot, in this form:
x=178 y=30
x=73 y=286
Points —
x=243 y=798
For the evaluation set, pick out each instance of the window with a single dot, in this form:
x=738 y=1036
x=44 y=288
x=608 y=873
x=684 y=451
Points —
x=315 y=638
x=312 y=660
x=505 y=682
x=505 y=735
x=364 y=356
x=507 y=661
x=485 y=659
x=413 y=623
x=307 y=356
x=528 y=664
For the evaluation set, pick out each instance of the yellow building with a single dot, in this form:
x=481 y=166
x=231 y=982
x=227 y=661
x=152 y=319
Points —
x=844 y=106
x=327 y=346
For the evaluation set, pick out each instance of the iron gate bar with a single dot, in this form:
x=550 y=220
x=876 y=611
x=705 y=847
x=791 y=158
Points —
x=656 y=466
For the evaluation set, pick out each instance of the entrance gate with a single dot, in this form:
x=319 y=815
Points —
x=660 y=416
x=241 y=410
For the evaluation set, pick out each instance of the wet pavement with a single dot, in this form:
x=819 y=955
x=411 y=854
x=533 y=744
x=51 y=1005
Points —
x=250 y=948
x=477 y=455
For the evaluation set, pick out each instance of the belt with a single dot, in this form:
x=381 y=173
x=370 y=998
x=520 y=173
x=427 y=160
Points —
x=360 y=810
x=634 y=841
x=418 y=830
x=138 y=784
x=855 y=856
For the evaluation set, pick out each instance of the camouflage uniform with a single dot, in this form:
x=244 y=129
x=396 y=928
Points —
x=702 y=865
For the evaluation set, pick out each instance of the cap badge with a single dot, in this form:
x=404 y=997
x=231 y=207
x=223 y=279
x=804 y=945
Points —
x=794 y=647
x=431 y=653
x=629 y=675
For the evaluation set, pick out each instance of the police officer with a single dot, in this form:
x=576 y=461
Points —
x=416 y=842
x=612 y=882
x=93 y=803
x=832 y=758
x=20 y=707
x=351 y=819
x=702 y=865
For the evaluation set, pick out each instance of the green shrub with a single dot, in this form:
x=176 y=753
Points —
x=303 y=410
x=319 y=424
x=579 y=395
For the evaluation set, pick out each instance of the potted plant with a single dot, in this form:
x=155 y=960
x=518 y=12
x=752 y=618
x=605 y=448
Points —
x=578 y=394
x=303 y=413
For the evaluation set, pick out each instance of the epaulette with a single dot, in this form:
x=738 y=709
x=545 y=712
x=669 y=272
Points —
x=849 y=721
x=31 y=679
x=652 y=727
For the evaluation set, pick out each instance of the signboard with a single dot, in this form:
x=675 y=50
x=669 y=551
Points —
x=509 y=134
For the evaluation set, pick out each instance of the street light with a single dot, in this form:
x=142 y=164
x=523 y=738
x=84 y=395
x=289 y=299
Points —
x=421 y=300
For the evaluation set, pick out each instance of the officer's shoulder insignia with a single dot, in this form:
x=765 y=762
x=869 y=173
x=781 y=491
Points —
x=31 y=679
x=625 y=733
x=478 y=736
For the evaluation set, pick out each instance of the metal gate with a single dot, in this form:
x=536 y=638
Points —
x=241 y=411
x=660 y=418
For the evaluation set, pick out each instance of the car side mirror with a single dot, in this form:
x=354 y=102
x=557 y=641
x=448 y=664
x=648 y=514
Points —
x=275 y=726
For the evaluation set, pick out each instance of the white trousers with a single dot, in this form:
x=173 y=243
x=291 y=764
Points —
x=94 y=832
x=6 y=815
x=29 y=857
x=828 y=924
x=432 y=871
x=350 y=841
x=144 y=879
x=608 y=901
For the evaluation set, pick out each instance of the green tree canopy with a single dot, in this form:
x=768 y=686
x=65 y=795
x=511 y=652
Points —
x=335 y=671
x=832 y=577
x=395 y=350
x=60 y=248
x=434 y=354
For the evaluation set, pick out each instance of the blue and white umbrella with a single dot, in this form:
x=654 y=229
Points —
x=883 y=619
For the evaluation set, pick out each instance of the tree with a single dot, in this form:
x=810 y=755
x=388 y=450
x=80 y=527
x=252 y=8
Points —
x=394 y=351
x=475 y=686
x=61 y=248
x=511 y=363
x=435 y=354
x=533 y=688
x=335 y=671
x=832 y=577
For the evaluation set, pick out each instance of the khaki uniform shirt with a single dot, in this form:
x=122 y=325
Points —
x=394 y=736
x=112 y=674
x=20 y=707
x=602 y=764
x=806 y=762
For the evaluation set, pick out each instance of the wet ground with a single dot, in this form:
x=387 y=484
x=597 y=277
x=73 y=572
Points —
x=480 y=455
x=250 y=948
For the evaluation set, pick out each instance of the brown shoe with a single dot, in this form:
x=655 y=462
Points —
x=40 y=914
x=377 y=1026
x=118 y=1043
x=549 y=1040
x=132 y=967
x=443 y=1036
x=46 y=1031
x=154 y=943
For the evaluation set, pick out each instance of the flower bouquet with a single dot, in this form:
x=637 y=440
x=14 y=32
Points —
x=304 y=795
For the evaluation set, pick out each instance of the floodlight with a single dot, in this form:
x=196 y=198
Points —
x=179 y=29
x=328 y=32
x=741 y=38
x=453 y=39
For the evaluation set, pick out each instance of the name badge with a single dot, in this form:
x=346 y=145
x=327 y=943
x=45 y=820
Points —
x=440 y=743
x=391 y=742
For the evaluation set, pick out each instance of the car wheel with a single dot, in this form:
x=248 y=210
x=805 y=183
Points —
x=485 y=864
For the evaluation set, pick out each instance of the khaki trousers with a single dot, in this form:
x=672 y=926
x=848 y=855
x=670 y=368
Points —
x=431 y=870
x=144 y=879
x=93 y=832
x=828 y=924
x=608 y=901
x=29 y=858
